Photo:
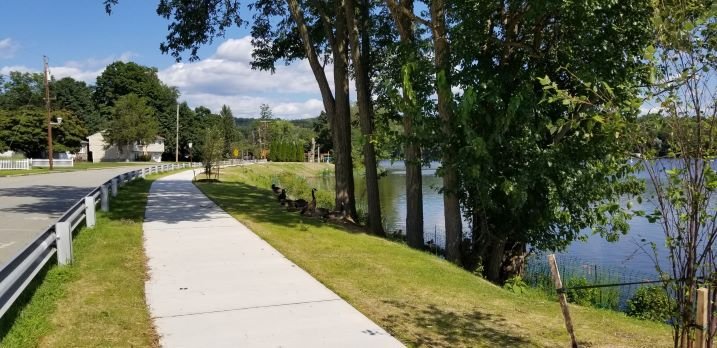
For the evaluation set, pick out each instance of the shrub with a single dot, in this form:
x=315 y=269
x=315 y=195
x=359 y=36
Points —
x=582 y=297
x=650 y=303
x=516 y=285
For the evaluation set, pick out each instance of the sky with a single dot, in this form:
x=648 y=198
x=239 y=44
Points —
x=80 y=39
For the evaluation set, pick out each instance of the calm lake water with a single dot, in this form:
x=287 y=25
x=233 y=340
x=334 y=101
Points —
x=626 y=253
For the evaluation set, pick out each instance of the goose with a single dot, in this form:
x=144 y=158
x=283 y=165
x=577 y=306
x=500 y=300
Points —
x=276 y=189
x=282 y=196
x=311 y=207
x=331 y=215
x=300 y=203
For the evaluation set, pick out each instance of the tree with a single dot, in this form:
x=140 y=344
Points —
x=211 y=151
x=229 y=132
x=22 y=89
x=76 y=97
x=361 y=59
x=265 y=113
x=280 y=32
x=133 y=122
x=449 y=165
x=410 y=106
x=120 y=78
x=684 y=56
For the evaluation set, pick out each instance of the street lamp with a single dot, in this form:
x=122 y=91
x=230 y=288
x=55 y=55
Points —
x=191 y=163
x=49 y=137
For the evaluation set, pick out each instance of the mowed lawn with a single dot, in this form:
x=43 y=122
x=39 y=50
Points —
x=422 y=300
x=99 y=300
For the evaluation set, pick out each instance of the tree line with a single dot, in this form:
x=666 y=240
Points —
x=128 y=104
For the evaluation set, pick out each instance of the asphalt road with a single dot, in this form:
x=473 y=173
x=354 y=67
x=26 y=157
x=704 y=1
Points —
x=29 y=204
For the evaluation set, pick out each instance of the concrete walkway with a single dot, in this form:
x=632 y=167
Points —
x=214 y=283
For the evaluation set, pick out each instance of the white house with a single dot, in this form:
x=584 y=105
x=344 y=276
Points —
x=100 y=151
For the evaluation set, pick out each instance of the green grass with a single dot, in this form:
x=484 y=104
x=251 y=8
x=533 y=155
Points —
x=99 y=300
x=419 y=298
x=77 y=166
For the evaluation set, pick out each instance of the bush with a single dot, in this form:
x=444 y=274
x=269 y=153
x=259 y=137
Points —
x=650 y=303
x=516 y=285
x=582 y=297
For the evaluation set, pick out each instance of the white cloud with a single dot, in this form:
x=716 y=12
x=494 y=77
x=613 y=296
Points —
x=227 y=78
x=8 y=47
x=83 y=70
x=248 y=106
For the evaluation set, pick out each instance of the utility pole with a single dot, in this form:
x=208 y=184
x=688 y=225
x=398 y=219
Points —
x=176 y=143
x=47 y=104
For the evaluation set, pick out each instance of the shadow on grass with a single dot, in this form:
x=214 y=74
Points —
x=238 y=198
x=451 y=329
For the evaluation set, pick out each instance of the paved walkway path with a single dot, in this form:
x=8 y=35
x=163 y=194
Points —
x=214 y=283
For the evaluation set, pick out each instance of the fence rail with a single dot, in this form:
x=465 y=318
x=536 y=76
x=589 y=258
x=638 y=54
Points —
x=21 y=270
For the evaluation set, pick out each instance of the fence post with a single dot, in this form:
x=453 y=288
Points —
x=104 y=198
x=114 y=187
x=701 y=320
x=122 y=178
x=563 y=301
x=90 y=212
x=64 y=243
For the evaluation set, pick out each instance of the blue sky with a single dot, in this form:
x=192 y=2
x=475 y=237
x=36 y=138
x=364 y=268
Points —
x=80 y=39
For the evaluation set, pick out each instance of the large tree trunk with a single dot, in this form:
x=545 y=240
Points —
x=342 y=125
x=337 y=109
x=451 y=204
x=361 y=62
x=412 y=148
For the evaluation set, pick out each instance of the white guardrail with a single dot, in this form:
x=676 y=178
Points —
x=17 y=273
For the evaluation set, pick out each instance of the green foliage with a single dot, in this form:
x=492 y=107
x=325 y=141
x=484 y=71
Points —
x=651 y=303
x=286 y=152
x=76 y=97
x=133 y=122
x=540 y=168
x=582 y=297
x=22 y=90
x=594 y=297
x=516 y=285
x=120 y=78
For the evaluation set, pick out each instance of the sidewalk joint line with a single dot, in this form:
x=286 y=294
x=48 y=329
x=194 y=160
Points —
x=245 y=308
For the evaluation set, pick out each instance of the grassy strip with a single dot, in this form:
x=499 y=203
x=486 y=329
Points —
x=421 y=299
x=98 y=301
x=77 y=166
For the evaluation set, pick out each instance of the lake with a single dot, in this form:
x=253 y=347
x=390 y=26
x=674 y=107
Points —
x=623 y=254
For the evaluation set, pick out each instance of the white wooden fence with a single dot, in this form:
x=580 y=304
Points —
x=55 y=163
x=15 y=164
x=29 y=163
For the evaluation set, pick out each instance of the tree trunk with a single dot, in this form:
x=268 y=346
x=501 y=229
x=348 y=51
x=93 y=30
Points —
x=337 y=109
x=451 y=204
x=361 y=62
x=412 y=148
x=342 y=125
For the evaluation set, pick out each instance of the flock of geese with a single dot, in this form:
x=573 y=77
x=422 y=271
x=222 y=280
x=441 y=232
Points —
x=307 y=208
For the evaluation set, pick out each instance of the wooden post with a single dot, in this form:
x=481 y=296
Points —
x=562 y=299
x=701 y=321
